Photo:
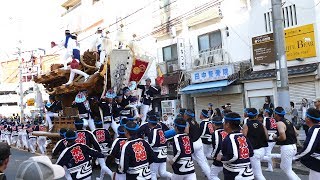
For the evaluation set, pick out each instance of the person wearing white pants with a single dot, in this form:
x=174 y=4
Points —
x=98 y=46
x=67 y=44
x=7 y=134
x=286 y=138
x=14 y=137
x=184 y=177
x=200 y=158
x=42 y=144
x=158 y=143
x=256 y=163
x=217 y=139
x=75 y=61
x=271 y=126
x=314 y=175
x=147 y=94
x=193 y=130
x=182 y=162
x=113 y=124
x=309 y=154
x=144 y=109
x=24 y=138
x=207 y=130
x=82 y=104
x=32 y=141
x=82 y=160
x=115 y=151
x=87 y=122
x=258 y=136
x=108 y=109
x=287 y=154
x=52 y=111
x=73 y=72
x=50 y=115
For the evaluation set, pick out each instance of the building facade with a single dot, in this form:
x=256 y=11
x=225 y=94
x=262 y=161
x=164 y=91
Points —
x=210 y=51
x=301 y=38
x=201 y=50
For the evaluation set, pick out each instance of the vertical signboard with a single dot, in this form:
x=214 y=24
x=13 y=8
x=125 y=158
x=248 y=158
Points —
x=181 y=54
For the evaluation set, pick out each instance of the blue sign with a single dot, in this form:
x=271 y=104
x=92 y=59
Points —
x=211 y=74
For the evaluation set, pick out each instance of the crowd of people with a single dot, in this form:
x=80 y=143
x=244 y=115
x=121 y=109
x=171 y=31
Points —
x=137 y=141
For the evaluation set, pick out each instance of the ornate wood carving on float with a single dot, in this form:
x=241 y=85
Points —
x=121 y=66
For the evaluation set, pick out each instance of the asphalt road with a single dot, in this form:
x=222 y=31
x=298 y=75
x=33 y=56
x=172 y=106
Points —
x=19 y=156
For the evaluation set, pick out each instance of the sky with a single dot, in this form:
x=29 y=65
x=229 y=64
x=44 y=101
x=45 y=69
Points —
x=35 y=22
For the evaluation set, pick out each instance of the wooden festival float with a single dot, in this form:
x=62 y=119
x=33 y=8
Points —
x=54 y=81
x=121 y=67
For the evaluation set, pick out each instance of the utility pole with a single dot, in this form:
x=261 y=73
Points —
x=281 y=66
x=20 y=83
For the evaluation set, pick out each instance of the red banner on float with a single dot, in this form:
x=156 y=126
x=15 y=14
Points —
x=139 y=67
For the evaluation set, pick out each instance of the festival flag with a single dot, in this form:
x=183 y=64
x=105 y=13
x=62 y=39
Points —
x=139 y=68
x=160 y=77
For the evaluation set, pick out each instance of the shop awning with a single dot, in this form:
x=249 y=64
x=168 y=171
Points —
x=205 y=87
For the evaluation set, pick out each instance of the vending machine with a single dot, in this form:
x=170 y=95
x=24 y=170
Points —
x=171 y=108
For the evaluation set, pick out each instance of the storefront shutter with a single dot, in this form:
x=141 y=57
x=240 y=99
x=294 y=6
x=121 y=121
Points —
x=236 y=101
x=302 y=90
x=202 y=103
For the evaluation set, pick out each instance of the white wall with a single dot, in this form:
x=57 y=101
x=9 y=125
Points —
x=306 y=14
x=237 y=44
x=140 y=23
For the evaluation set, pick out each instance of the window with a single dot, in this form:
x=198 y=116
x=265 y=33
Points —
x=170 y=53
x=289 y=16
x=210 y=41
x=170 y=56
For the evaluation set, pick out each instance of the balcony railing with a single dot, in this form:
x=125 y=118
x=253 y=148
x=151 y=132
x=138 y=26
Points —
x=209 y=58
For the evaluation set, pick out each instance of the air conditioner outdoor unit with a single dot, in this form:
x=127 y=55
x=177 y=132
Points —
x=172 y=68
x=197 y=62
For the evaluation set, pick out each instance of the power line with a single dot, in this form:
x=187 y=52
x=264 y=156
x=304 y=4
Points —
x=171 y=22
x=306 y=7
x=179 y=19
x=121 y=19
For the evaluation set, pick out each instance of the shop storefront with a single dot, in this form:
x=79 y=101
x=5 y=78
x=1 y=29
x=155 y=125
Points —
x=303 y=83
x=231 y=94
x=216 y=85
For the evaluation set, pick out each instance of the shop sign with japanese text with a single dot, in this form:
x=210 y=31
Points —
x=299 y=43
x=211 y=74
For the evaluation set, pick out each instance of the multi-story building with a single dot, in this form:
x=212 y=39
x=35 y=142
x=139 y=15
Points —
x=301 y=38
x=200 y=45
x=9 y=84
x=9 y=99
x=210 y=51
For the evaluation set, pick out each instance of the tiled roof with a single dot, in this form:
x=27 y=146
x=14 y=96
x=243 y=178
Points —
x=303 y=69
x=294 y=70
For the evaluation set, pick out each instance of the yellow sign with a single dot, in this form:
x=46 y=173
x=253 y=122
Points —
x=30 y=102
x=300 y=42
